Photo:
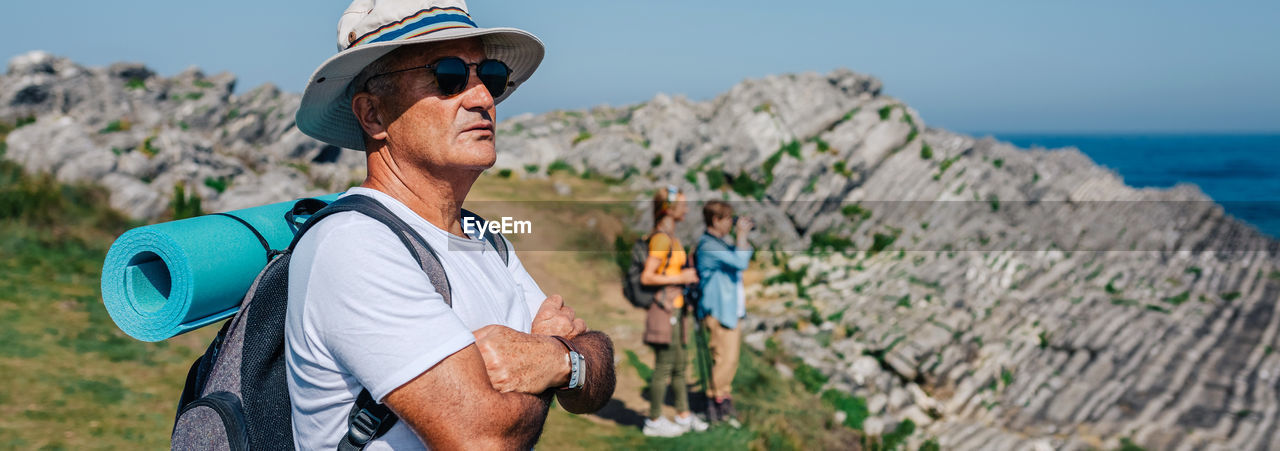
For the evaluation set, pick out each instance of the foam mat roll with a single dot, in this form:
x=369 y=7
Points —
x=166 y=279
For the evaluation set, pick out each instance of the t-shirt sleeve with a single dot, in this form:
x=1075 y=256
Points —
x=533 y=295
x=374 y=309
x=660 y=246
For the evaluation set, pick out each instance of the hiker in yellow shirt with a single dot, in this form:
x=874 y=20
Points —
x=664 y=326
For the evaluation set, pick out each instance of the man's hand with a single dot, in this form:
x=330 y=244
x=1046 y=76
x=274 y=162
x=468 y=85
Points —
x=520 y=362
x=555 y=318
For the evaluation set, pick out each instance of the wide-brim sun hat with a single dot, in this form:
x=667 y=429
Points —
x=370 y=29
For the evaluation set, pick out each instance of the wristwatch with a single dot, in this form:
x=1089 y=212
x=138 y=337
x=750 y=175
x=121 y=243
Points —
x=577 y=366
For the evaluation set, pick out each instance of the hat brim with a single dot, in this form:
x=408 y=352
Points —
x=325 y=112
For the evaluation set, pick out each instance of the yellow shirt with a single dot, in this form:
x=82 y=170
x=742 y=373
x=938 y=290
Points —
x=672 y=256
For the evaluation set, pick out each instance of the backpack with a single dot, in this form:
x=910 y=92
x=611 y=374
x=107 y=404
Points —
x=640 y=295
x=236 y=396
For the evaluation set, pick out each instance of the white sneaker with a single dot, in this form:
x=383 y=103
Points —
x=662 y=427
x=691 y=422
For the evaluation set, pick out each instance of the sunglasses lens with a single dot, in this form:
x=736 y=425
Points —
x=494 y=75
x=451 y=75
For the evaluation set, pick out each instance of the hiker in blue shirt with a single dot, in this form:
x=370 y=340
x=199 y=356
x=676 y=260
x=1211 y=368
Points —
x=720 y=259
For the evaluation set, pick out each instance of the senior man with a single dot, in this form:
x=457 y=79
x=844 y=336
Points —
x=414 y=85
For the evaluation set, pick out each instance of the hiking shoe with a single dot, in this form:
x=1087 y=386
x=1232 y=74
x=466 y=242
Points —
x=691 y=422
x=662 y=427
x=727 y=410
x=728 y=414
x=713 y=412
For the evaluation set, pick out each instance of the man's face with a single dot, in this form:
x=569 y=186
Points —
x=435 y=131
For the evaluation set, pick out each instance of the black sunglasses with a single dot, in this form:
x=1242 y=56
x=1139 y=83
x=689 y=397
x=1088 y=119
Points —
x=452 y=75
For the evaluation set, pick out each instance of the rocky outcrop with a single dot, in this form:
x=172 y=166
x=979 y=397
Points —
x=140 y=135
x=998 y=298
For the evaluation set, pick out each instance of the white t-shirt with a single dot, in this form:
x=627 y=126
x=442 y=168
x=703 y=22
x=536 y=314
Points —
x=363 y=314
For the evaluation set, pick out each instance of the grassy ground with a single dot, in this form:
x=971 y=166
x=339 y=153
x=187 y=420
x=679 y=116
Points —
x=74 y=381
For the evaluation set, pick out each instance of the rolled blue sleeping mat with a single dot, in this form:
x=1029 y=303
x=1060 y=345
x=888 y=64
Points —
x=166 y=279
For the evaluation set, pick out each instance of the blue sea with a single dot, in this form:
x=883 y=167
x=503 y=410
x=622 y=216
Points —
x=1240 y=171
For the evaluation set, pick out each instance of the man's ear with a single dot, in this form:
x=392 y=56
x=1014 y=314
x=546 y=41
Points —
x=365 y=107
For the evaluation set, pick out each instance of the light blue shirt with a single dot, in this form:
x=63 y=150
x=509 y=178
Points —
x=720 y=267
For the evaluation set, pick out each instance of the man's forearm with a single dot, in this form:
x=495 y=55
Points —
x=525 y=417
x=597 y=350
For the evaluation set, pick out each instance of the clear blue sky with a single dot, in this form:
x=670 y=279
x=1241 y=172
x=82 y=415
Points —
x=1008 y=66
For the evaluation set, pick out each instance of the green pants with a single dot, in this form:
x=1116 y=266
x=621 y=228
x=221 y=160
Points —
x=669 y=364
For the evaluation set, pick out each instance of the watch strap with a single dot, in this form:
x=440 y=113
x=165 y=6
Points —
x=575 y=364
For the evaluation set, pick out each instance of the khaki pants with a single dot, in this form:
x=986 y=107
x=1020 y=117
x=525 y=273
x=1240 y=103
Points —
x=725 y=344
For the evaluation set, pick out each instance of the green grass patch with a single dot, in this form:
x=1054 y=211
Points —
x=655 y=161
x=944 y=165
x=885 y=111
x=118 y=125
x=531 y=168
x=855 y=212
x=791 y=148
x=22 y=122
x=218 y=184
x=998 y=163
x=823 y=146
x=148 y=147
x=894 y=440
x=62 y=352
x=194 y=95
x=763 y=108
x=183 y=205
x=850 y=114
x=830 y=241
x=1231 y=296
x=643 y=370
x=504 y=173
x=1125 y=302
x=842 y=168
x=926 y=151
x=204 y=84
x=746 y=186
x=881 y=241
x=582 y=136
x=560 y=166
x=809 y=377
x=715 y=178
x=691 y=175
x=854 y=407
x=1127 y=444
x=1179 y=298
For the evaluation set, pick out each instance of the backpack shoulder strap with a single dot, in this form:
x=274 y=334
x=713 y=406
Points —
x=495 y=239
x=418 y=247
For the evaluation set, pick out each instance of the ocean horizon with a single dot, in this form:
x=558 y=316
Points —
x=1241 y=171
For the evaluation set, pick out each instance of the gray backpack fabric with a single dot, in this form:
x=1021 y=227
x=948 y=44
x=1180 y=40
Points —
x=236 y=396
x=639 y=294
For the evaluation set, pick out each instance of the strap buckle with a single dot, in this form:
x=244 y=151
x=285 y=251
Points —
x=362 y=427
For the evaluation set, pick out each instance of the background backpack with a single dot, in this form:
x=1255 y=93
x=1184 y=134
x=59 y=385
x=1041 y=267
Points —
x=236 y=396
x=640 y=295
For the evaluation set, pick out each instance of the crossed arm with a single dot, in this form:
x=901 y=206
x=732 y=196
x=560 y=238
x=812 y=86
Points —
x=494 y=394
